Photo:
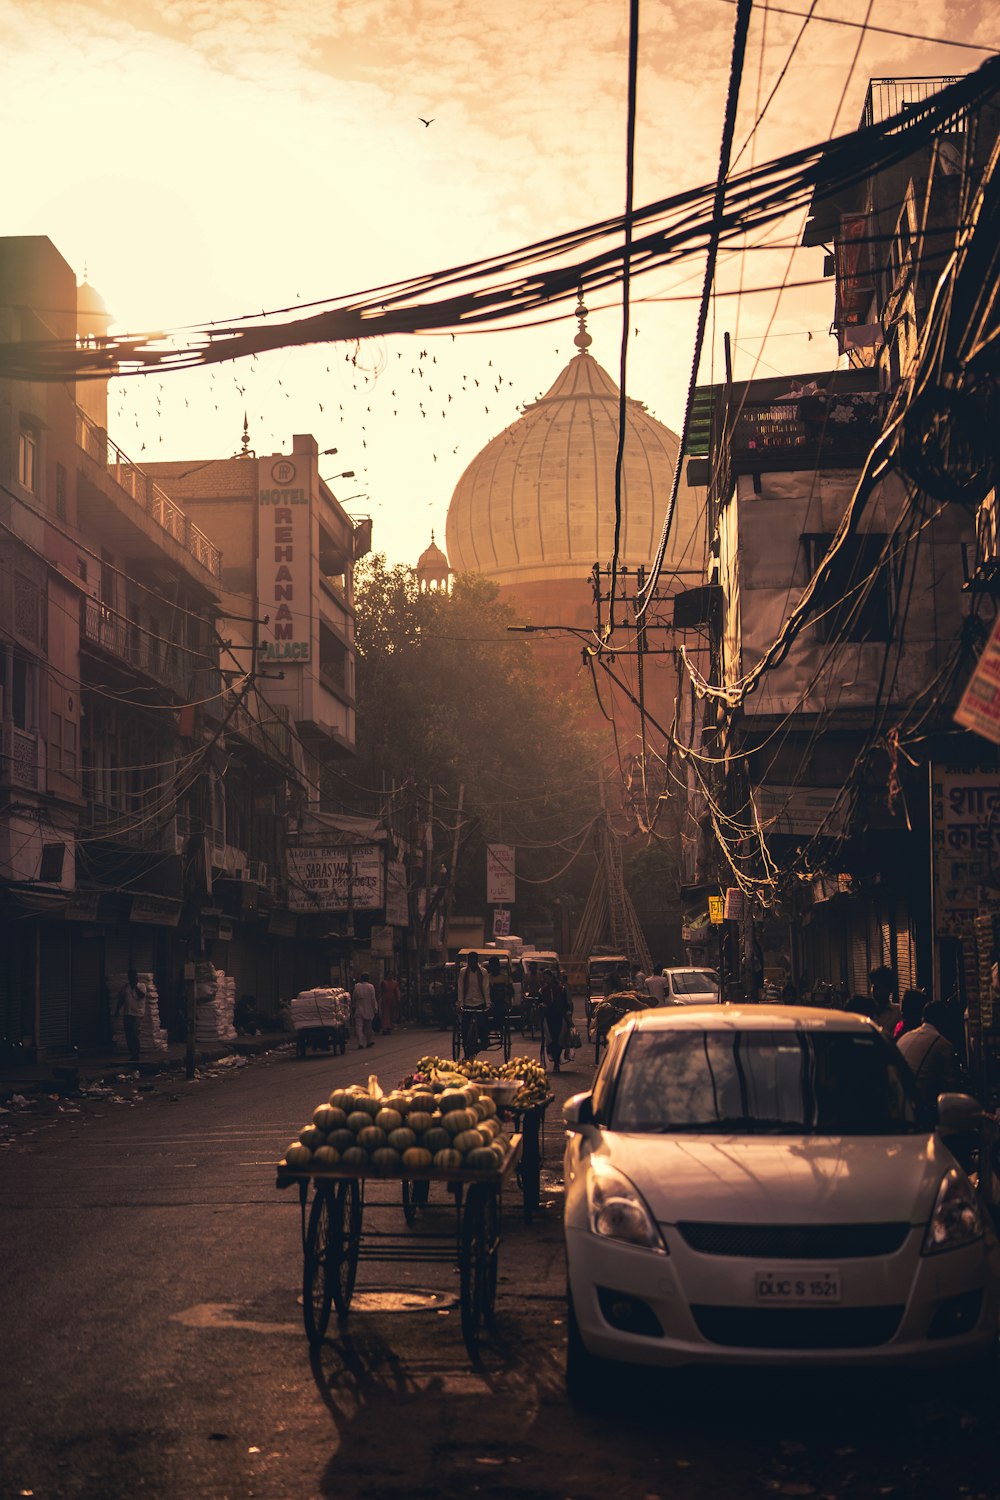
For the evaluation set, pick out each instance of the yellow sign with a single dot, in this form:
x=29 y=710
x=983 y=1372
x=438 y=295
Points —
x=715 y=909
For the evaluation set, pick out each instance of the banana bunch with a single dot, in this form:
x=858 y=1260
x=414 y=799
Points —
x=534 y=1082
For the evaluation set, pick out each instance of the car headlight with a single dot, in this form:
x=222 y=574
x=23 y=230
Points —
x=617 y=1211
x=957 y=1218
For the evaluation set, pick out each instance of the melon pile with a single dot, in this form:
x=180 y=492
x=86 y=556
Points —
x=446 y=1126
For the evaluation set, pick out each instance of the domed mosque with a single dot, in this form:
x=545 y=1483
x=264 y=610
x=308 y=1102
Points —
x=536 y=508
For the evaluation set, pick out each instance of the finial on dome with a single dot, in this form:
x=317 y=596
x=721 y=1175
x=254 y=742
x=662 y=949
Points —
x=245 y=450
x=582 y=340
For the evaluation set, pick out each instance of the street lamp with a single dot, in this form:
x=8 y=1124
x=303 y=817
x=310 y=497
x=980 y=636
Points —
x=347 y=474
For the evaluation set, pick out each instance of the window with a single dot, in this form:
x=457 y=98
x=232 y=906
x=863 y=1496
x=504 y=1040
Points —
x=27 y=459
x=60 y=492
x=856 y=603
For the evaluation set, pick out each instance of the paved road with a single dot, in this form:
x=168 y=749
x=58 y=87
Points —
x=152 y=1342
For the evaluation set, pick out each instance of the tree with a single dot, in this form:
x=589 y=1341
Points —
x=448 y=698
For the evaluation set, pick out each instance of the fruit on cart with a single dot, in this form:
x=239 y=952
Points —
x=402 y=1139
x=312 y=1137
x=358 y=1119
x=325 y=1158
x=468 y=1140
x=388 y=1120
x=420 y=1120
x=417 y=1156
x=298 y=1155
x=436 y=1139
x=373 y=1137
x=354 y=1156
x=386 y=1160
x=327 y=1118
x=341 y=1139
x=482 y=1159
x=448 y=1159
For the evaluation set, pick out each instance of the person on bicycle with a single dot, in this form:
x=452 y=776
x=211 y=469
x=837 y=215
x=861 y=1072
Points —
x=473 y=996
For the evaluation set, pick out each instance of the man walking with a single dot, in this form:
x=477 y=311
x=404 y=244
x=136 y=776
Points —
x=132 y=999
x=365 y=1011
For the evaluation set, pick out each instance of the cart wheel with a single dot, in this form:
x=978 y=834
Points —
x=456 y=1040
x=345 y=1244
x=478 y=1260
x=416 y=1194
x=317 y=1277
x=506 y=1039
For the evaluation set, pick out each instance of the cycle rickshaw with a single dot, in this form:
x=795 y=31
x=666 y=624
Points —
x=473 y=1031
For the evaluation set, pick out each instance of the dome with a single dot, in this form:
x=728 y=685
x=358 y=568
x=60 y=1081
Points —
x=538 y=502
x=432 y=559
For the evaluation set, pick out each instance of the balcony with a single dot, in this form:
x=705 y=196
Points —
x=169 y=666
x=147 y=494
x=18 y=757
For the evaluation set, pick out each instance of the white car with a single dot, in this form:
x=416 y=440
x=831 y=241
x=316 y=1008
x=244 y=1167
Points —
x=691 y=986
x=761 y=1186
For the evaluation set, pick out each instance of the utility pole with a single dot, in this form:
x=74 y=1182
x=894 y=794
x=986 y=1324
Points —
x=451 y=873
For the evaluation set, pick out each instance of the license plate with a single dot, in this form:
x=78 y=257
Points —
x=784 y=1288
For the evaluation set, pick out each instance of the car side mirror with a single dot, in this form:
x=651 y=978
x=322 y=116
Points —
x=957 y=1112
x=578 y=1112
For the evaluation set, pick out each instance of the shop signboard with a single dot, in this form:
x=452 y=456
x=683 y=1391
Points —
x=799 y=811
x=716 y=910
x=965 y=832
x=735 y=908
x=284 y=557
x=499 y=874
x=979 y=708
x=318 y=877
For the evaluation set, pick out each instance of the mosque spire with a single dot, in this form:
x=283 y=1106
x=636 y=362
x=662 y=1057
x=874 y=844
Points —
x=582 y=340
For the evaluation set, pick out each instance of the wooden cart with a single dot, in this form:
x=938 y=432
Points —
x=335 y=1237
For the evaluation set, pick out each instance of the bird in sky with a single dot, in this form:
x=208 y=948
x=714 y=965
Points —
x=424 y=122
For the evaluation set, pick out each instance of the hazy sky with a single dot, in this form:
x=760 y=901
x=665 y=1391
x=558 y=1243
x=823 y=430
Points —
x=207 y=158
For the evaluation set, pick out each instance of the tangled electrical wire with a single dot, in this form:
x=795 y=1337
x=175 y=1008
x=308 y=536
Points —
x=548 y=271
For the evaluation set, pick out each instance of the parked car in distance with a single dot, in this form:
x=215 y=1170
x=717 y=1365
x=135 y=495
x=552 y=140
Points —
x=692 y=986
x=760 y=1185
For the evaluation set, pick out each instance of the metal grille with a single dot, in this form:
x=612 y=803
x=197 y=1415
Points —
x=798 y=1327
x=795 y=1241
x=26 y=608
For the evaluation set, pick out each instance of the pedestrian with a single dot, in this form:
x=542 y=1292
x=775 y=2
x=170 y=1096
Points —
x=884 y=1010
x=930 y=1056
x=555 y=1018
x=656 y=988
x=132 y=999
x=473 y=995
x=365 y=1010
x=389 y=998
x=912 y=1008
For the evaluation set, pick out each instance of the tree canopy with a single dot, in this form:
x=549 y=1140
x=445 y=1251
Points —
x=447 y=697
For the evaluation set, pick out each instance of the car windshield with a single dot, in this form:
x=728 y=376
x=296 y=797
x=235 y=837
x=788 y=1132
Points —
x=792 y=1082
x=693 y=982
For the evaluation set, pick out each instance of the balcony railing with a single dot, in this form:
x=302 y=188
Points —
x=891 y=96
x=144 y=490
x=167 y=664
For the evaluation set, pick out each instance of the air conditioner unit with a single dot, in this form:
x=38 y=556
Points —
x=258 y=872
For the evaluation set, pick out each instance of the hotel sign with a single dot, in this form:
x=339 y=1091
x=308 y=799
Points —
x=284 y=560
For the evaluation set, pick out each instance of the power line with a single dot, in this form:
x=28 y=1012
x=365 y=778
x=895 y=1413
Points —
x=910 y=36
